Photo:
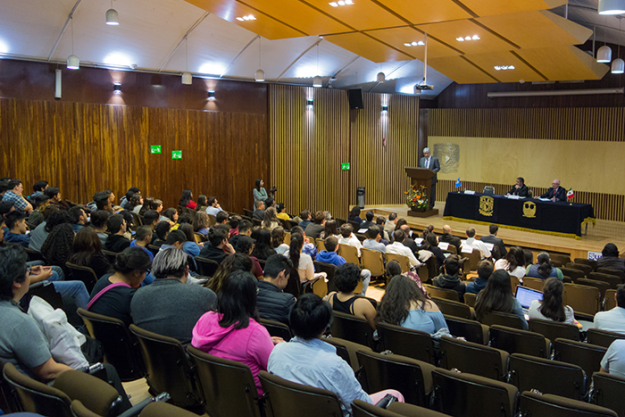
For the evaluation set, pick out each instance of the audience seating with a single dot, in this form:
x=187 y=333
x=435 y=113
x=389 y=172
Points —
x=608 y=392
x=471 y=330
x=136 y=219
x=590 y=262
x=503 y=319
x=340 y=222
x=287 y=238
x=347 y=350
x=397 y=409
x=551 y=377
x=317 y=286
x=373 y=261
x=320 y=245
x=110 y=256
x=199 y=238
x=154 y=249
x=587 y=269
x=227 y=386
x=275 y=328
x=613 y=280
x=563 y=259
x=45 y=290
x=257 y=222
x=354 y=329
x=441 y=292
x=602 y=337
x=534 y=283
x=470 y=299
x=519 y=341
x=211 y=220
x=609 y=302
x=536 y=405
x=514 y=282
x=330 y=270
x=466 y=395
x=403 y=260
x=350 y=253
x=248 y=213
x=120 y=348
x=553 y=330
x=454 y=308
x=474 y=259
x=288 y=399
x=167 y=368
x=406 y=342
x=409 y=376
x=575 y=274
x=585 y=355
x=473 y=358
x=82 y=273
x=206 y=267
x=585 y=300
x=355 y=225
x=618 y=272
x=424 y=274
x=34 y=255
x=602 y=286
x=79 y=410
x=161 y=409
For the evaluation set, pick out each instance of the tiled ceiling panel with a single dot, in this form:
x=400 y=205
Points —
x=397 y=37
x=427 y=11
x=362 y=15
x=521 y=70
x=448 y=32
x=493 y=7
x=564 y=63
x=460 y=70
x=367 y=47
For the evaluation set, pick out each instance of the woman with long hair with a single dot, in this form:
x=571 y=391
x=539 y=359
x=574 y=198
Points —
x=189 y=247
x=201 y=223
x=136 y=201
x=201 y=203
x=233 y=263
x=260 y=194
x=302 y=262
x=513 y=263
x=497 y=297
x=552 y=306
x=330 y=229
x=277 y=241
x=87 y=251
x=58 y=245
x=430 y=243
x=405 y=305
x=394 y=268
x=245 y=245
x=400 y=223
x=263 y=249
x=610 y=258
x=148 y=204
x=234 y=331
x=187 y=200
x=354 y=215
x=271 y=220
x=543 y=269
x=171 y=215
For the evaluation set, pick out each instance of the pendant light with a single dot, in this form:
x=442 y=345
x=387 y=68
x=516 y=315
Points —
x=187 y=78
x=112 y=18
x=604 y=54
x=73 y=63
x=381 y=77
x=618 y=65
x=260 y=74
x=317 y=81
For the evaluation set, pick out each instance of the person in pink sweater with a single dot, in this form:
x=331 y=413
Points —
x=233 y=331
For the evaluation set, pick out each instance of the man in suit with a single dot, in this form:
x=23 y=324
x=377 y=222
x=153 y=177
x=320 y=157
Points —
x=555 y=193
x=449 y=238
x=493 y=229
x=409 y=241
x=519 y=188
x=430 y=162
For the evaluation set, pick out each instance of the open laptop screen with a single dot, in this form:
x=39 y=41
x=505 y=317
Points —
x=527 y=295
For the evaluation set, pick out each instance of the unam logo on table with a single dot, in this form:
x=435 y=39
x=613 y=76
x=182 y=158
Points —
x=487 y=204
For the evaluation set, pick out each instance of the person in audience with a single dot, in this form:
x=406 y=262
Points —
x=492 y=238
x=263 y=248
x=213 y=206
x=148 y=204
x=273 y=302
x=125 y=202
x=54 y=194
x=529 y=257
x=143 y=237
x=161 y=230
x=270 y=221
x=409 y=241
x=116 y=242
x=16 y=223
x=613 y=361
x=369 y=220
x=472 y=243
x=331 y=256
x=112 y=294
x=394 y=268
x=380 y=222
x=175 y=239
x=170 y=215
x=244 y=228
x=302 y=262
x=497 y=297
x=36 y=217
x=308 y=360
x=346 y=278
x=38 y=189
x=449 y=278
x=245 y=245
x=129 y=222
x=282 y=214
x=136 y=203
x=102 y=202
x=428 y=230
x=306 y=219
x=354 y=215
x=222 y=219
x=218 y=247
x=186 y=200
x=552 y=307
x=202 y=205
x=14 y=195
x=277 y=241
x=310 y=248
x=58 y=245
x=519 y=189
x=373 y=240
x=158 y=207
x=270 y=202
x=610 y=258
x=77 y=217
x=201 y=224
x=330 y=229
x=313 y=230
x=7 y=207
x=234 y=222
x=430 y=243
x=555 y=193
x=236 y=262
x=404 y=304
x=613 y=320
x=87 y=251
x=401 y=222
x=348 y=238
x=41 y=232
x=233 y=332
x=99 y=218
x=189 y=246
x=484 y=270
x=4 y=187
x=514 y=262
x=260 y=194
x=449 y=238
x=168 y=306
x=397 y=247
x=543 y=268
x=259 y=210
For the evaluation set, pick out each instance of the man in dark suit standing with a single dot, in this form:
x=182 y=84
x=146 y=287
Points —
x=493 y=228
x=430 y=162
x=555 y=193
x=519 y=188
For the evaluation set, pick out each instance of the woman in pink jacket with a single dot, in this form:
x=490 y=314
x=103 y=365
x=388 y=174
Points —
x=233 y=331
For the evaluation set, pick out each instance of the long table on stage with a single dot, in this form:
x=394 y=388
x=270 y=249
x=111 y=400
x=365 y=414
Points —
x=548 y=217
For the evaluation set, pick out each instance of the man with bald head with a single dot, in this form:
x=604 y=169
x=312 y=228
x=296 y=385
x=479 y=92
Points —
x=430 y=162
x=555 y=193
x=449 y=238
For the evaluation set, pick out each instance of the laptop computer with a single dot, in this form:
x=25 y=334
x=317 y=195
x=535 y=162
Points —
x=526 y=296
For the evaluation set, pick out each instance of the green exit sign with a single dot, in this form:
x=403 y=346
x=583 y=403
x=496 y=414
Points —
x=155 y=149
x=176 y=154
x=345 y=166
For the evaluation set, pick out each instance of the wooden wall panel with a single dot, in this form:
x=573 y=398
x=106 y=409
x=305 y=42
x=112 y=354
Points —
x=308 y=147
x=379 y=168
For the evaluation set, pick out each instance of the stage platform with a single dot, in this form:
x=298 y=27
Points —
x=594 y=238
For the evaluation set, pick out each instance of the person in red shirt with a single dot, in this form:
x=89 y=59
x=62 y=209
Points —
x=187 y=200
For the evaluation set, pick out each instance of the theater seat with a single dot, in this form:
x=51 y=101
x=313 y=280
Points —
x=519 y=341
x=397 y=409
x=608 y=392
x=407 y=342
x=473 y=358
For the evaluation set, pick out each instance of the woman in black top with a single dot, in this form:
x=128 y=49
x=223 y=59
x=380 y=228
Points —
x=87 y=251
x=431 y=243
x=346 y=301
x=263 y=249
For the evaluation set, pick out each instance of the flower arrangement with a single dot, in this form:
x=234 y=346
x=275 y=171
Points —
x=416 y=198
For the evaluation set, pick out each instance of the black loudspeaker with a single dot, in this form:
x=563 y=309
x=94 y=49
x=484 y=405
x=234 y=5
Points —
x=355 y=99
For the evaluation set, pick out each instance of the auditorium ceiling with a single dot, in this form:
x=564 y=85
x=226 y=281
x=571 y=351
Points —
x=347 y=44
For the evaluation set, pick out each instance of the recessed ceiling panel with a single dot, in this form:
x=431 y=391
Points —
x=505 y=67
x=494 y=7
x=361 y=15
x=460 y=70
x=564 y=63
x=469 y=32
x=367 y=47
x=427 y=11
x=398 y=37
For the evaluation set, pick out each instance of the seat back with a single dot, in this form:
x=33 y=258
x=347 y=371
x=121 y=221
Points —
x=590 y=262
x=519 y=341
x=37 y=397
x=248 y=213
x=94 y=393
x=489 y=190
x=276 y=328
x=396 y=409
x=320 y=244
x=454 y=308
x=154 y=249
x=409 y=376
x=533 y=404
x=162 y=409
x=587 y=269
x=373 y=261
x=354 y=329
x=608 y=392
x=120 y=348
x=466 y=395
x=575 y=274
x=212 y=219
x=167 y=367
x=611 y=271
x=547 y=376
x=206 y=267
x=199 y=238
x=602 y=337
x=582 y=298
x=228 y=387
x=502 y=319
x=110 y=256
x=564 y=259
x=347 y=350
x=403 y=260
x=407 y=342
x=533 y=283
x=288 y=399
x=474 y=259
x=609 y=302
x=330 y=270
x=46 y=291
x=424 y=274
x=350 y=253
x=82 y=273
x=553 y=330
x=471 y=330
x=613 y=280
x=585 y=355
x=602 y=286
x=444 y=293
x=470 y=299
x=317 y=286
x=473 y=358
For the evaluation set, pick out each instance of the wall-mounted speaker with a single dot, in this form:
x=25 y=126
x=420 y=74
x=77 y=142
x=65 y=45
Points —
x=355 y=99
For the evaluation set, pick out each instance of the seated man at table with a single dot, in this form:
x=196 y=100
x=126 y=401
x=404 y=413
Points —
x=519 y=188
x=473 y=243
x=555 y=193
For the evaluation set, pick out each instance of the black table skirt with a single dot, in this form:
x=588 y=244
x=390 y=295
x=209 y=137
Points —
x=557 y=219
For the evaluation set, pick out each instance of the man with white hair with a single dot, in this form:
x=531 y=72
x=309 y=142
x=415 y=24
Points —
x=430 y=162
x=555 y=193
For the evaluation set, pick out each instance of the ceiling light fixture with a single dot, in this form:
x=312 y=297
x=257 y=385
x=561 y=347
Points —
x=309 y=103
x=618 y=65
x=604 y=54
x=468 y=38
x=611 y=7
x=504 y=67
x=341 y=3
x=384 y=109
x=187 y=78
x=117 y=88
x=317 y=82
x=414 y=43
x=381 y=77
x=73 y=63
x=211 y=95
x=246 y=18
x=112 y=18
x=260 y=74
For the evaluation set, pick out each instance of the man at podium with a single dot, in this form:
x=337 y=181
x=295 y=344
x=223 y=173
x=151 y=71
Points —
x=430 y=162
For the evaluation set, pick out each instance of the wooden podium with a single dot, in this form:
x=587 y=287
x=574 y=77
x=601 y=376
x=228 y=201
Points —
x=421 y=176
